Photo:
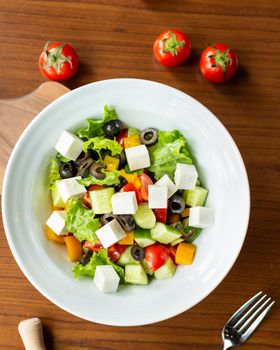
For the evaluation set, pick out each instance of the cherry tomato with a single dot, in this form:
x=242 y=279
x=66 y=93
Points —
x=172 y=48
x=156 y=255
x=121 y=137
x=172 y=253
x=160 y=214
x=218 y=63
x=130 y=188
x=115 y=251
x=58 y=61
x=86 y=197
x=95 y=247
x=145 y=182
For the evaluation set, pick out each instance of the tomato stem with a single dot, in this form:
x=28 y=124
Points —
x=55 y=58
x=221 y=59
x=171 y=44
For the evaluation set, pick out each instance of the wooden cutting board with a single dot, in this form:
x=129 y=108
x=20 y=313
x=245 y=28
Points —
x=16 y=114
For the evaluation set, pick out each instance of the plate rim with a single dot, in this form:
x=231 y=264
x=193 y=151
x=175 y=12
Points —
x=21 y=139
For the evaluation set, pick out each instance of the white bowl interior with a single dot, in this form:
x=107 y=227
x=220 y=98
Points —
x=27 y=205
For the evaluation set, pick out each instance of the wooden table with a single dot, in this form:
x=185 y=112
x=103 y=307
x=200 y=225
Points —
x=114 y=39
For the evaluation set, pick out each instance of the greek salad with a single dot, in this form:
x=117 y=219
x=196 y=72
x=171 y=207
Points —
x=127 y=203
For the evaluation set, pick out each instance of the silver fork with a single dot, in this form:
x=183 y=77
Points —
x=245 y=320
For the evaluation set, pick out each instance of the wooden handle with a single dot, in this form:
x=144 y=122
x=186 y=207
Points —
x=31 y=333
x=16 y=114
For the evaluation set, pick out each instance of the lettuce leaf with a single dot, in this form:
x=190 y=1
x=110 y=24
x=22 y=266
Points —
x=53 y=174
x=171 y=148
x=99 y=258
x=61 y=158
x=112 y=178
x=99 y=143
x=81 y=222
x=95 y=126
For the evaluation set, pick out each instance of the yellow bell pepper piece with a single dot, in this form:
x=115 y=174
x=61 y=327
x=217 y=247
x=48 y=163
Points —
x=138 y=183
x=74 y=248
x=131 y=141
x=52 y=236
x=185 y=253
x=128 y=240
x=111 y=163
x=131 y=178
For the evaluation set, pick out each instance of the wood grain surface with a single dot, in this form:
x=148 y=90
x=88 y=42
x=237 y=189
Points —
x=114 y=39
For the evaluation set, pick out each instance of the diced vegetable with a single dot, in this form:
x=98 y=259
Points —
x=135 y=274
x=111 y=163
x=131 y=188
x=143 y=237
x=164 y=234
x=155 y=256
x=126 y=258
x=144 y=216
x=185 y=253
x=121 y=137
x=176 y=241
x=165 y=271
x=161 y=214
x=131 y=141
x=185 y=213
x=133 y=131
x=52 y=236
x=131 y=178
x=115 y=251
x=101 y=200
x=74 y=248
x=128 y=240
x=56 y=197
x=196 y=197
x=145 y=181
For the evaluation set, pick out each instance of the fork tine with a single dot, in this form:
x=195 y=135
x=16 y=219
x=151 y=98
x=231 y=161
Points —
x=246 y=323
x=240 y=321
x=235 y=316
x=257 y=321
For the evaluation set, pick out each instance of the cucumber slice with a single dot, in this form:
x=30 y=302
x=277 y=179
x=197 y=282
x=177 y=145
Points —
x=132 y=131
x=146 y=268
x=101 y=200
x=144 y=216
x=176 y=241
x=126 y=258
x=143 y=237
x=56 y=197
x=196 y=197
x=165 y=271
x=196 y=231
x=164 y=234
x=135 y=274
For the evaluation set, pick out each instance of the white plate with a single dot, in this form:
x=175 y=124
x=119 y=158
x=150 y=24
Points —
x=26 y=204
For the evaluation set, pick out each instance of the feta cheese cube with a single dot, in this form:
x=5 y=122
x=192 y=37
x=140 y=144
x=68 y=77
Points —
x=110 y=233
x=137 y=157
x=124 y=203
x=185 y=176
x=157 y=196
x=166 y=181
x=70 y=188
x=69 y=145
x=201 y=217
x=56 y=222
x=106 y=279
